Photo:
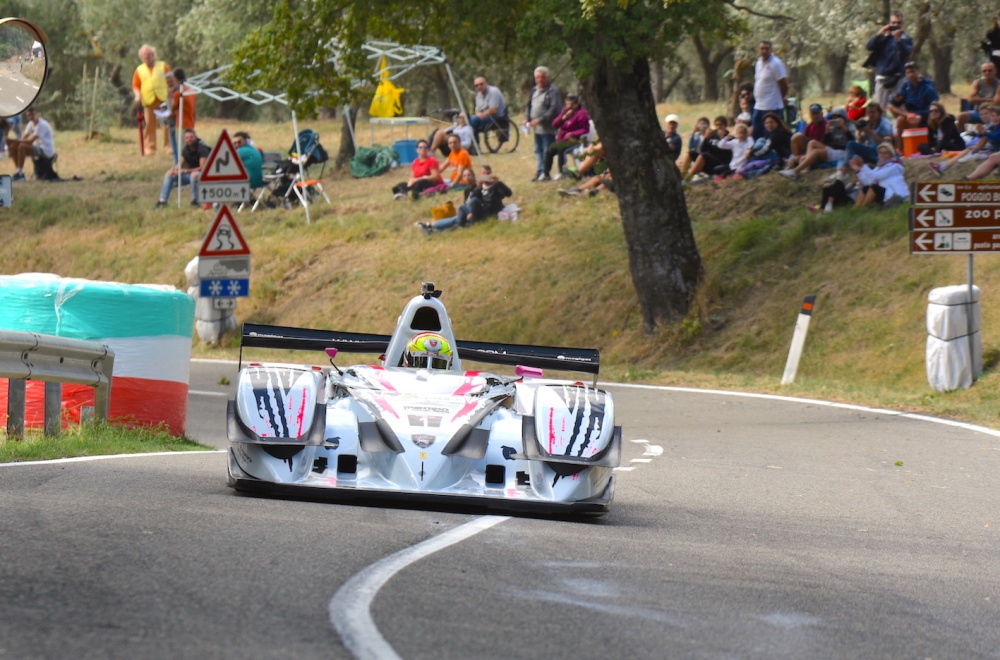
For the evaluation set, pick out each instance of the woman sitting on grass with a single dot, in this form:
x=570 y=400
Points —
x=942 y=132
x=883 y=184
x=481 y=202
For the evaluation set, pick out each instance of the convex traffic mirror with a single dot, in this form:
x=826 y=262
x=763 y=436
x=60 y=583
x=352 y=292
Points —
x=24 y=65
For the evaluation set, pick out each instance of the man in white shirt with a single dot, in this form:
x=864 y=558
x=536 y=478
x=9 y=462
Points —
x=36 y=142
x=770 y=88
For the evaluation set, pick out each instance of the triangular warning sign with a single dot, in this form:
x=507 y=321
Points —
x=224 y=238
x=223 y=164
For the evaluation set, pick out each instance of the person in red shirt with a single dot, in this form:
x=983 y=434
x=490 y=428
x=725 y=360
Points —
x=425 y=173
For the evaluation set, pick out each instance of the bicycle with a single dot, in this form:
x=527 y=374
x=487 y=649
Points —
x=501 y=136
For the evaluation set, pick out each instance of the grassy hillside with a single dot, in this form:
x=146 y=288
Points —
x=559 y=275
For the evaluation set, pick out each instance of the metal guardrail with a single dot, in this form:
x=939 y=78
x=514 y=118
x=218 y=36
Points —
x=29 y=356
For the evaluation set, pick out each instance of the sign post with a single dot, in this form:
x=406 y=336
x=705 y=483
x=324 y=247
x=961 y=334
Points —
x=956 y=217
x=224 y=179
x=224 y=262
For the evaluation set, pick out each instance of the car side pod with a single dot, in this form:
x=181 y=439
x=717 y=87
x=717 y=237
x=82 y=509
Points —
x=577 y=423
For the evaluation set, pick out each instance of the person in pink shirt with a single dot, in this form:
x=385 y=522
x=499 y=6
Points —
x=425 y=173
x=574 y=125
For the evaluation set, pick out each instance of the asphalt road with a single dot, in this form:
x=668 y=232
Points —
x=16 y=91
x=747 y=527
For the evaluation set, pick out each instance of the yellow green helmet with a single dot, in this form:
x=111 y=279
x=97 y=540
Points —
x=428 y=350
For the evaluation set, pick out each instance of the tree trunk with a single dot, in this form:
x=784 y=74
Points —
x=710 y=67
x=837 y=64
x=658 y=72
x=942 y=50
x=663 y=257
x=346 y=152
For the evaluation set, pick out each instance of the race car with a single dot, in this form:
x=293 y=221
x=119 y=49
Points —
x=418 y=426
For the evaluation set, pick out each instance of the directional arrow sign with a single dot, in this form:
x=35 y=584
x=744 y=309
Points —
x=955 y=193
x=954 y=242
x=957 y=217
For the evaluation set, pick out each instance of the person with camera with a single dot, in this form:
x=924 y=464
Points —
x=889 y=48
x=872 y=130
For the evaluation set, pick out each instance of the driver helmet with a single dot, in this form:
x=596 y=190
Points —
x=428 y=350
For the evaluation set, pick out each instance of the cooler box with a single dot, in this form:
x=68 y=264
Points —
x=912 y=139
x=407 y=150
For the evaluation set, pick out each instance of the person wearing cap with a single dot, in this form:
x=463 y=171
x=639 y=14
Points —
x=832 y=149
x=815 y=130
x=770 y=87
x=911 y=104
x=675 y=145
x=573 y=124
x=888 y=49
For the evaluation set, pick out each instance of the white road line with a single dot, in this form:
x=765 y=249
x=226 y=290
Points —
x=623 y=469
x=207 y=393
x=350 y=607
x=641 y=460
x=84 y=459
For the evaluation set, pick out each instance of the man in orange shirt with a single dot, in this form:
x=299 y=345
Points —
x=149 y=84
x=458 y=160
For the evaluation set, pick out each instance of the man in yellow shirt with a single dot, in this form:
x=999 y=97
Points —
x=149 y=84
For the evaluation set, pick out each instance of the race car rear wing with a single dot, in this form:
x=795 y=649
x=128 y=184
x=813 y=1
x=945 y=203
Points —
x=578 y=360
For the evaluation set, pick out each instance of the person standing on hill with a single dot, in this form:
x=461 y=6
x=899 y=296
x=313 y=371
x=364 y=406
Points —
x=770 y=87
x=890 y=49
x=149 y=84
x=543 y=107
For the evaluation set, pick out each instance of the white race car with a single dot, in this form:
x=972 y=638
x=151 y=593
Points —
x=419 y=426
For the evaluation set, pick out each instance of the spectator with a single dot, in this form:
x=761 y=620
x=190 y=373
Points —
x=481 y=202
x=872 y=131
x=466 y=137
x=988 y=138
x=985 y=89
x=542 y=109
x=573 y=124
x=745 y=115
x=490 y=106
x=694 y=143
x=593 y=160
x=193 y=157
x=170 y=121
x=458 y=161
x=942 y=133
x=768 y=151
x=770 y=89
x=37 y=142
x=815 y=130
x=991 y=44
x=883 y=184
x=183 y=102
x=830 y=150
x=711 y=158
x=675 y=145
x=149 y=85
x=911 y=104
x=425 y=172
x=856 y=102
x=591 y=186
x=250 y=156
x=889 y=48
x=739 y=143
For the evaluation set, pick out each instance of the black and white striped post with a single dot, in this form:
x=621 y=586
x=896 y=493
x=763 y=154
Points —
x=798 y=339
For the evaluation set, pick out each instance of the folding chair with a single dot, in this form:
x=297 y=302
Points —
x=269 y=166
x=307 y=187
